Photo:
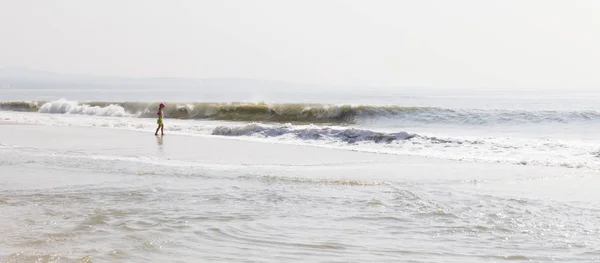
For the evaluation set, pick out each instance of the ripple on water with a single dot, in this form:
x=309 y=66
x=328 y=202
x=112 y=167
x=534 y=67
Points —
x=50 y=257
x=282 y=220
x=513 y=258
x=314 y=181
x=248 y=237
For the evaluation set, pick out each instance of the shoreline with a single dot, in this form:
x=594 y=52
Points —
x=458 y=144
x=5 y=122
x=209 y=150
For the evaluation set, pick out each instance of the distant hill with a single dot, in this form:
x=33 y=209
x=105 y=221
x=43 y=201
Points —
x=16 y=77
x=29 y=74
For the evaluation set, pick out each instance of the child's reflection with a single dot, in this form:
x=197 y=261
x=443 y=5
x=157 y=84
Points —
x=159 y=141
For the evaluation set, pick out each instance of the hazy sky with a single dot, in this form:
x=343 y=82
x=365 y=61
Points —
x=460 y=43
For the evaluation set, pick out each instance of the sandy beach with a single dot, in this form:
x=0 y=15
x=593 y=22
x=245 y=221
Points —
x=98 y=195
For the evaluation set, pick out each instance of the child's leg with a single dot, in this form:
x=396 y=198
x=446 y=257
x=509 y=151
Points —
x=162 y=129
x=156 y=133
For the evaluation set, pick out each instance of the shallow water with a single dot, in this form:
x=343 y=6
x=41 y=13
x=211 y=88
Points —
x=65 y=203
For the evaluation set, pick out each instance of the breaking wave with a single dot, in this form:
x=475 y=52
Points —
x=350 y=135
x=72 y=107
x=535 y=152
x=345 y=135
x=304 y=113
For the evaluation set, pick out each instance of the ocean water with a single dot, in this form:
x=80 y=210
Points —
x=299 y=177
x=523 y=128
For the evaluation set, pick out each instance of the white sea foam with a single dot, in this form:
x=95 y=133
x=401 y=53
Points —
x=73 y=107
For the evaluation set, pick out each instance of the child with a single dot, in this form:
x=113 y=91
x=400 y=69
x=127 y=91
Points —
x=161 y=126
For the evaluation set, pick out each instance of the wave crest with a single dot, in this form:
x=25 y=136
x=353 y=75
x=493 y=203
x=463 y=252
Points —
x=72 y=107
x=306 y=113
x=350 y=135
